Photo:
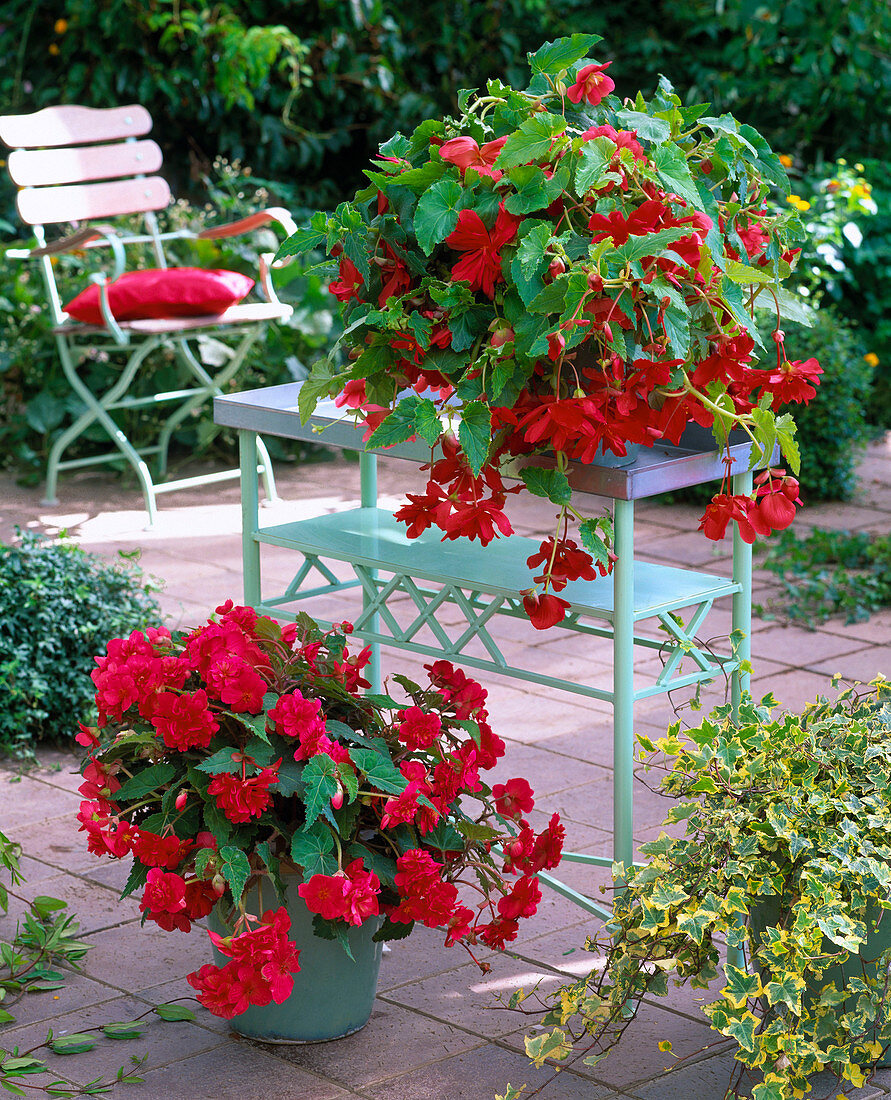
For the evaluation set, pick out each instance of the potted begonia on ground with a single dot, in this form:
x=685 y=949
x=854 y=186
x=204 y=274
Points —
x=557 y=270
x=786 y=857
x=252 y=783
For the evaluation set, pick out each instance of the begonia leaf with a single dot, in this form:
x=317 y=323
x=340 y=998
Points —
x=646 y=127
x=313 y=851
x=552 y=484
x=437 y=212
x=594 y=158
x=235 y=869
x=555 y=57
x=145 y=781
x=475 y=434
x=537 y=139
x=674 y=172
x=319 y=775
x=379 y=770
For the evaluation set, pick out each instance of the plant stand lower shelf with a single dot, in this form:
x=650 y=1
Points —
x=404 y=583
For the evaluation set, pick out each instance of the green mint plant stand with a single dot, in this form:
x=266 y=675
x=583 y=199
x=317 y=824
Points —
x=483 y=582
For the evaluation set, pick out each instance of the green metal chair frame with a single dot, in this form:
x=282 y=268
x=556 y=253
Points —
x=75 y=165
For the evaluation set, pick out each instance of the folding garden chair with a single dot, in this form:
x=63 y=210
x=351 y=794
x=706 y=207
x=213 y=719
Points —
x=76 y=164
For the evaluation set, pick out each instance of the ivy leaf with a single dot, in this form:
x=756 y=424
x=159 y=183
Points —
x=319 y=775
x=552 y=484
x=555 y=57
x=533 y=141
x=475 y=434
x=312 y=849
x=674 y=172
x=144 y=782
x=235 y=869
x=437 y=213
x=742 y=1028
x=554 y=1045
x=786 y=987
x=741 y=986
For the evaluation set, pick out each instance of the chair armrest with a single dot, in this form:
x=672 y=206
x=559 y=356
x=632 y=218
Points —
x=250 y=223
x=74 y=242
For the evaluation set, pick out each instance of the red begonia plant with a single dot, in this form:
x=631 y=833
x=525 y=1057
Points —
x=245 y=749
x=556 y=270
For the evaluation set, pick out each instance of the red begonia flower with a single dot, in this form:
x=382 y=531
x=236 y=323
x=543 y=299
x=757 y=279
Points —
x=481 y=267
x=513 y=798
x=591 y=84
x=465 y=153
x=546 y=610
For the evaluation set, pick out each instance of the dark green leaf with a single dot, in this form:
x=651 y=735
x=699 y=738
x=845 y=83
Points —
x=380 y=770
x=76 y=1043
x=552 y=484
x=132 y=1030
x=313 y=850
x=475 y=434
x=221 y=762
x=144 y=782
x=533 y=141
x=321 y=786
x=557 y=56
x=437 y=213
x=235 y=869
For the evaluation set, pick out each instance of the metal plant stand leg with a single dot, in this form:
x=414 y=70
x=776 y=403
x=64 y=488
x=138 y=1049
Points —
x=250 y=516
x=368 y=498
x=623 y=683
x=742 y=600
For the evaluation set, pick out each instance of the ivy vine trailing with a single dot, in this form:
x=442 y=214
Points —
x=786 y=858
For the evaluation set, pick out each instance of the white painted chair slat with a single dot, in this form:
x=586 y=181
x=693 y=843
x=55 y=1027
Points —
x=79 y=202
x=39 y=167
x=70 y=125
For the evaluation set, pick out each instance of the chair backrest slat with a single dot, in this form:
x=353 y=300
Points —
x=38 y=167
x=55 y=126
x=81 y=202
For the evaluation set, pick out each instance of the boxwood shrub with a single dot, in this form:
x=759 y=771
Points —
x=59 y=605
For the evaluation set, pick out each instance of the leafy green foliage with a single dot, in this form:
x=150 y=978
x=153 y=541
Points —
x=797 y=881
x=58 y=607
x=827 y=573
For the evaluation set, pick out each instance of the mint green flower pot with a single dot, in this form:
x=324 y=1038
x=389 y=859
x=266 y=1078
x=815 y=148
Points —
x=333 y=995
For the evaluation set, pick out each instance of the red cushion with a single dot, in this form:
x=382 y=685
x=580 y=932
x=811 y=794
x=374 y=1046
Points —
x=174 y=292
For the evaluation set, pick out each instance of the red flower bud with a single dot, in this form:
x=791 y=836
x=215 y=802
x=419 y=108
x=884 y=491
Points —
x=337 y=799
x=181 y=799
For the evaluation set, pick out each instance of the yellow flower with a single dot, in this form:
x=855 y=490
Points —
x=798 y=202
x=665 y=1044
x=60 y=26
x=785 y=160
x=53 y=48
x=871 y=358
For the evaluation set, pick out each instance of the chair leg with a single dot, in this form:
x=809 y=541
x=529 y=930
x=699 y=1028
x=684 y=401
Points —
x=97 y=410
x=213 y=386
x=265 y=466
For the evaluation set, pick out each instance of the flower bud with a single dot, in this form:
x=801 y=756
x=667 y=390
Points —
x=337 y=799
x=556 y=267
x=218 y=885
x=595 y=282
x=181 y=799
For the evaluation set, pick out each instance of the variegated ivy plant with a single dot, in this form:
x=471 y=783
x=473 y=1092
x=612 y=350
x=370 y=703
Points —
x=557 y=270
x=786 y=856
